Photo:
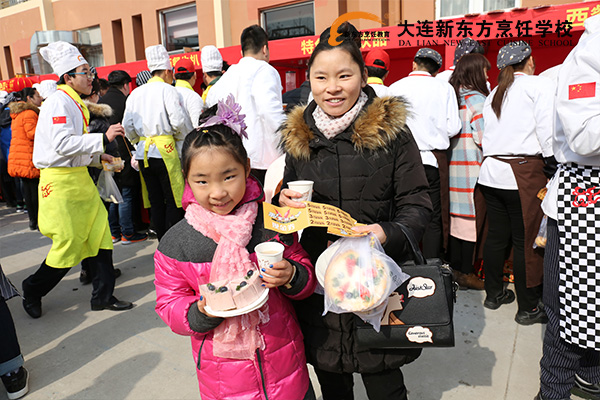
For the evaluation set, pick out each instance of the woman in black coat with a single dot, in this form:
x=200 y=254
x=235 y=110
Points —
x=363 y=159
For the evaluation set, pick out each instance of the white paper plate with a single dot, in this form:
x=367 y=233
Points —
x=258 y=303
x=323 y=263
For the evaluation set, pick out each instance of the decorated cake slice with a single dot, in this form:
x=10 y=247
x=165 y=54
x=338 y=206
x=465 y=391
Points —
x=247 y=289
x=218 y=295
x=356 y=284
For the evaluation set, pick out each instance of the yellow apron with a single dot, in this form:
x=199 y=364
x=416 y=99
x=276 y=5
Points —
x=166 y=146
x=72 y=214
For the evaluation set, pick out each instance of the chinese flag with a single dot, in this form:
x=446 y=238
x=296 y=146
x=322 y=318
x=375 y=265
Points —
x=582 y=90
x=59 y=120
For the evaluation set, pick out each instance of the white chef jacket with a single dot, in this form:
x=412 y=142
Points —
x=445 y=75
x=577 y=126
x=380 y=89
x=155 y=109
x=434 y=116
x=256 y=86
x=524 y=128
x=59 y=138
x=191 y=100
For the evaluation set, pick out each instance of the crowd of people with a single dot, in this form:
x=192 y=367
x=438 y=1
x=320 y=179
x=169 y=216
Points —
x=461 y=163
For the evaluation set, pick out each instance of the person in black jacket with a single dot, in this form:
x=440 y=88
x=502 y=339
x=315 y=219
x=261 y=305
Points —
x=122 y=216
x=362 y=158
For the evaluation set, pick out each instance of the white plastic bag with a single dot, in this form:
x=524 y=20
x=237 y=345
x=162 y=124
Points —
x=108 y=189
x=542 y=235
x=359 y=278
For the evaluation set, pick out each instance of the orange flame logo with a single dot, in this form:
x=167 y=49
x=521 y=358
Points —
x=333 y=32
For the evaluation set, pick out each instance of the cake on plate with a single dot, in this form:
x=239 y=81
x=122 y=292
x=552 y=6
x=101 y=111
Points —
x=233 y=294
x=218 y=295
x=354 y=283
x=245 y=291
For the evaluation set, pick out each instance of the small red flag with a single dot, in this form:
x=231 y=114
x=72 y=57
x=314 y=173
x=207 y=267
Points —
x=59 y=120
x=582 y=90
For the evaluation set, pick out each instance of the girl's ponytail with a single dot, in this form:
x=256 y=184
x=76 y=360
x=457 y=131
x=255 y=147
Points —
x=505 y=80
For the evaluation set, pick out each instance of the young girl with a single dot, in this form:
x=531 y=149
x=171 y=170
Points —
x=260 y=354
x=362 y=158
x=469 y=82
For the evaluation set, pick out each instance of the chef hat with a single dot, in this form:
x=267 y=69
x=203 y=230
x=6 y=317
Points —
x=513 y=53
x=467 y=46
x=62 y=56
x=211 y=59
x=45 y=88
x=157 y=58
x=431 y=54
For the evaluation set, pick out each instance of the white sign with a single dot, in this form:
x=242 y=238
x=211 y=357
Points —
x=420 y=287
x=419 y=334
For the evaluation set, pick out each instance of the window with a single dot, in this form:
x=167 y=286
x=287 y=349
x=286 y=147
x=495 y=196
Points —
x=27 y=65
x=90 y=45
x=179 y=27
x=450 y=8
x=289 y=21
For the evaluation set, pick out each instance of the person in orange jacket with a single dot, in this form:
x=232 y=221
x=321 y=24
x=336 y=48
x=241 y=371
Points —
x=24 y=116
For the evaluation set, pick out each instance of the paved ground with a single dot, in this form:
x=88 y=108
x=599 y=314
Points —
x=74 y=353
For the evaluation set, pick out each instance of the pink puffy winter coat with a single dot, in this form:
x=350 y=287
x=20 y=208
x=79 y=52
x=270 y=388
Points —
x=182 y=261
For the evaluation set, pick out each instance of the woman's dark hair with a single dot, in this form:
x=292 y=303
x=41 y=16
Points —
x=350 y=42
x=61 y=80
x=27 y=92
x=505 y=80
x=212 y=136
x=469 y=74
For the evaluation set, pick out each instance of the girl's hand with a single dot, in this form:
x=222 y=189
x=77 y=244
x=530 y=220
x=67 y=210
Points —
x=376 y=229
x=287 y=199
x=280 y=274
x=201 y=304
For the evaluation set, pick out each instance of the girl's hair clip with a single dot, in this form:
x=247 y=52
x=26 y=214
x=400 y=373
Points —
x=228 y=114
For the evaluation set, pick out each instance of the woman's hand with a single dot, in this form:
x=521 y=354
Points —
x=287 y=199
x=279 y=274
x=201 y=304
x=376 y=229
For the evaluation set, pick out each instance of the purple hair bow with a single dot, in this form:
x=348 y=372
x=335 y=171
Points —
x=228 y=114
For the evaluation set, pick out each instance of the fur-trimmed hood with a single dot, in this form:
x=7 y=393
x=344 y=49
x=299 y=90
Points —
x=379 y=123
x=17 y=107
x=99 y=110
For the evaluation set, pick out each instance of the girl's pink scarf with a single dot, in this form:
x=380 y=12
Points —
x=237 y=337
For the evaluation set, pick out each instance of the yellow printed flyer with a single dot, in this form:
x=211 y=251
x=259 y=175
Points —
x=289 y=220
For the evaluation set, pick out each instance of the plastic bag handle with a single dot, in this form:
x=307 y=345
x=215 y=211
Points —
x=414 y=246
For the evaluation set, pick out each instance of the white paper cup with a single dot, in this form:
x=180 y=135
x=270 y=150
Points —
x=268 y=253
x=304 y=187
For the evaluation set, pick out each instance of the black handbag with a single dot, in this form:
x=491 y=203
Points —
x=427 y=299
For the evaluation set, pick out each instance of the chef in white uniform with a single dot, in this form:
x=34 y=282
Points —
x=434 y=119
x=518 y=117
x=571 y=352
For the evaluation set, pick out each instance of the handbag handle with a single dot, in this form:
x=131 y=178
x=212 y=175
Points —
x=414 y=246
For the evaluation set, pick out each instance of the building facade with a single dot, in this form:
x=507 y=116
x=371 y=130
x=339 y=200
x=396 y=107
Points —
x=117 y=31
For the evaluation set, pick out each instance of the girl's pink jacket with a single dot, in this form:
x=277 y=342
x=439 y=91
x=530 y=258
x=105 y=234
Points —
x=183 y=261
